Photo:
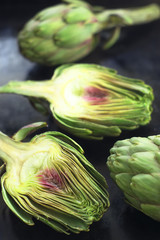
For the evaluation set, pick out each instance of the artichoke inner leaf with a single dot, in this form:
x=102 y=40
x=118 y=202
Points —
x=63 y=218
x=60 y=137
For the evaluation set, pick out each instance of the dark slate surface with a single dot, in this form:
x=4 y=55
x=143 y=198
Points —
x=137 y=54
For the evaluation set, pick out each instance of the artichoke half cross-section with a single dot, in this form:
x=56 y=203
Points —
x=48 y=178
x=134 y=165
x=90 y=101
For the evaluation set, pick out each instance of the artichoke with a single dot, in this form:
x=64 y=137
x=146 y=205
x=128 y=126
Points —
x=90 y=101
x=134 y=165
x=69 y=31
x=50 y=179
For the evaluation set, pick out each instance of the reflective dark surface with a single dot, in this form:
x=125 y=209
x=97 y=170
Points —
x=137 y=55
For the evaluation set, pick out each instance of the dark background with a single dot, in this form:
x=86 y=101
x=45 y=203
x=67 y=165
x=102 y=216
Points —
x=137 y=55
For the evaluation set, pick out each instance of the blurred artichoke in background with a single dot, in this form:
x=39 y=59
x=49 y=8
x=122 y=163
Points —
x=134 y=165
x=69 y=31
x=50 y=179
x=90 y=101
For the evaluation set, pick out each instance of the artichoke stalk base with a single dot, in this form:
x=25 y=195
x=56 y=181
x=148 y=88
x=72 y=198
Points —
x=49 y=179
x=134 y=165
x=90 y=101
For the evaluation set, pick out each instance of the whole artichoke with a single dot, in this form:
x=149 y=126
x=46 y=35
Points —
x=90 y=101
x=134 y=165
x=50 y=179
x=69 y=31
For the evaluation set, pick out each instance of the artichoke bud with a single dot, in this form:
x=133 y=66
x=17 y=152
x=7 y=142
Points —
x=59 y=34
x=134 y=165
x=49 y=179
x=69 y=31
x=90 y=101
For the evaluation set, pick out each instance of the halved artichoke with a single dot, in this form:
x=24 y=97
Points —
x=49 y=179
x=90 y=101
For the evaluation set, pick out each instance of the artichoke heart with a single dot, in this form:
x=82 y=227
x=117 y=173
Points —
x=49 y=179
x=134 y=165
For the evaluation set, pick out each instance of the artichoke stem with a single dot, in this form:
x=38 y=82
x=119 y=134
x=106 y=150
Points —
x=28 y=88
x=130 y=16
x=8 y=149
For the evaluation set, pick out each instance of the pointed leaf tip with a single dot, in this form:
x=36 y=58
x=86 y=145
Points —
x=27 y=130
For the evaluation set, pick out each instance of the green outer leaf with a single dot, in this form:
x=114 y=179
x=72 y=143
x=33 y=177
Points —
x=80 y=132
x=72 y=35
x=133 y=201
x=146 y=187
x=24 y=216
x=152 y=211
x=82 y=128
x=65 y=54
x=123 y=180
x=54 y=224
x=48 y=13
x=79 y=14
x=27 y=130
